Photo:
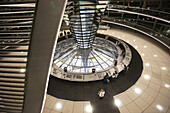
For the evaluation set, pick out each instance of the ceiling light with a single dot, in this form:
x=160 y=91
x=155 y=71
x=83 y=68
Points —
x=159 y=107
x=163 y=68
x=155 y=55
x=137 y=90
x=147 y=64
x=58 y=105
x=143 y=54
x=136 y=47
x=145 y=46
x=166 y=85
x=147 y=77
x=134 y=40
x=89 y=108
x=117 y=102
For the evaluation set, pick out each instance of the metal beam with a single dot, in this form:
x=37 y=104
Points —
x=46 y=26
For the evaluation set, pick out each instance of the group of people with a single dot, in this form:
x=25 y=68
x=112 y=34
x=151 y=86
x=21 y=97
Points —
x=110 y=78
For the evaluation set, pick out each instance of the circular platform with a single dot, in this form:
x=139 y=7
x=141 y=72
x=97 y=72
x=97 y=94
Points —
x=106 y=56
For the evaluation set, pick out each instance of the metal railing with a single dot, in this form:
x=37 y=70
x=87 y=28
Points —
x=155 y=27
x=144 y=11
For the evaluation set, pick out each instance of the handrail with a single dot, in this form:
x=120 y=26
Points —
x=131 y=7
x=131 y=12
x=106 y=21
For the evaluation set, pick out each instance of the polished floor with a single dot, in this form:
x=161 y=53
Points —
x=150 y=94
x=87 y=91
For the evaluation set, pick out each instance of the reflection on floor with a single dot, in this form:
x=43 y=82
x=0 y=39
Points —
x=150 y=94
x=55 y=105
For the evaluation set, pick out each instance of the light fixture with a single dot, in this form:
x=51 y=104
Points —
x=58 y=105
x=163 y=68
x=134 y=40
x=22 y=70
x=159 y=107
x=147 y=64
x=155 y=55
x=117 y=102
x=138 y=90
x=143 y=54
x=136 y=47
x=166 y=85
x=128 y=41
x=147 y=77
x=145 y=46
x=89 y=108
x=25 y=59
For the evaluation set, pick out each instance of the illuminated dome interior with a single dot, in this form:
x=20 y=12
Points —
x=100 y=57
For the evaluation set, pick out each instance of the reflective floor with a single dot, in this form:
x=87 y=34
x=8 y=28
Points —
x=150 y=94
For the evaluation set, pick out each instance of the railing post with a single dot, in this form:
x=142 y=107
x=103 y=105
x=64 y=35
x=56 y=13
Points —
x=155 y=24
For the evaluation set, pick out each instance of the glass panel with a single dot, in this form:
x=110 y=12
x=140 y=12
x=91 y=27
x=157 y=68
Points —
x=79 y=62
x=104 y=65
x=98 y=68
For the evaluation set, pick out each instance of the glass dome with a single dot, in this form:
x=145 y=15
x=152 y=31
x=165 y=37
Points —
x=99 y=57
